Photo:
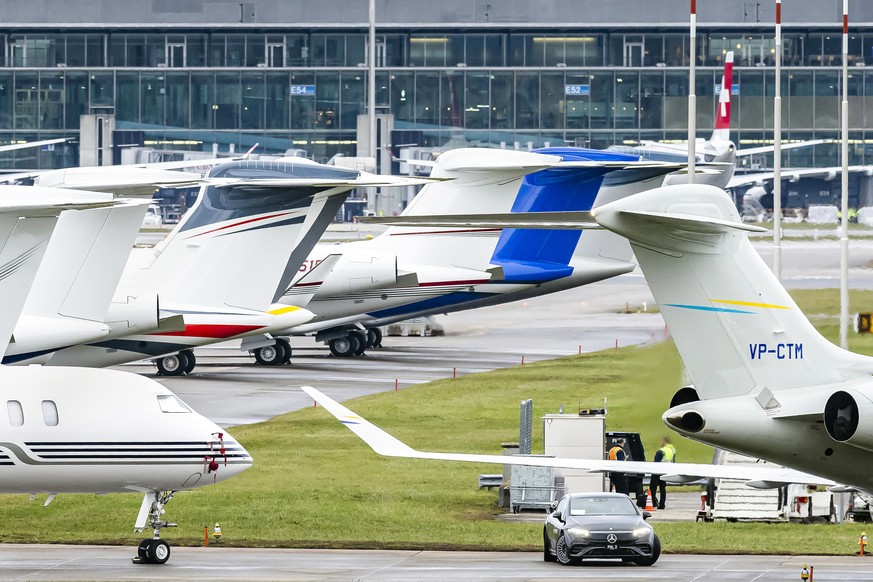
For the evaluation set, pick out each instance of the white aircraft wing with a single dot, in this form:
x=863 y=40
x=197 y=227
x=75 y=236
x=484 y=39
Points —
x=385 y=444
x=544 y=220
x=32 y=144
x=794 y=174
x=787 y=145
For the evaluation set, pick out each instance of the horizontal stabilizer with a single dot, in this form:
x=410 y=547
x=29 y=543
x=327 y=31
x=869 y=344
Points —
x=119 y=180
x=702 y=223
x=369 y=180
x=385 y=444
x=541 y=220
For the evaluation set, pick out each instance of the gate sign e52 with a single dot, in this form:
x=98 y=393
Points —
x=580 y=90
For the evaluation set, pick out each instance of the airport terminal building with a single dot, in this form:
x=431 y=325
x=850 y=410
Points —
x=187 y=74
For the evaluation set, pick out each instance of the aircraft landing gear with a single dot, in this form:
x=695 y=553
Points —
x=155 y=550
x=374 y=337
x=173 y=365
x=344 y=347
x=277 y=354
x=192 y=361
x=362 y=342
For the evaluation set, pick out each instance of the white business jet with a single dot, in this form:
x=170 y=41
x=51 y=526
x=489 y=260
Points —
x=765 y=382
x=421 y=266
x=223 y=267
x=73 y=430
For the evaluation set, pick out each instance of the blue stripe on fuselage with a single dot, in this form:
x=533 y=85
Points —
x=447 y=300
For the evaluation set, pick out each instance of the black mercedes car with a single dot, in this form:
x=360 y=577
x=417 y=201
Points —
x=598 y=526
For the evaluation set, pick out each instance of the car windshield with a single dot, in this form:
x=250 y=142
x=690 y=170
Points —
x=601 y=506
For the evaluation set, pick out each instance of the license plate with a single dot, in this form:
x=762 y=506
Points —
x=612 y=546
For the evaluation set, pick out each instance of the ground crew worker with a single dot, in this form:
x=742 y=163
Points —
x=617 y=479
x=216 y=532
x=666 y=454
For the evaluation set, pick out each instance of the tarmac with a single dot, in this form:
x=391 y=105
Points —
x=228 y=388
x=214 y=563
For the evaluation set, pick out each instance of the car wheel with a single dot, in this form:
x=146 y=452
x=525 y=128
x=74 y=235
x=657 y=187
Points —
x=547 y=552
x=656 y=553
x=562 y=551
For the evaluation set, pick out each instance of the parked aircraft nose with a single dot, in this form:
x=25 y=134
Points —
x=227 y=457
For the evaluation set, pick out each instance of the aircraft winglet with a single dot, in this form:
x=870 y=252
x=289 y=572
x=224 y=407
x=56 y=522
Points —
x=379 y=440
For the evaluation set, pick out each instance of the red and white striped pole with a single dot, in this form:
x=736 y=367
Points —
x=692 y=98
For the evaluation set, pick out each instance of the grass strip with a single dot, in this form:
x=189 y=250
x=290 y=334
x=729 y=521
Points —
x=316 y=485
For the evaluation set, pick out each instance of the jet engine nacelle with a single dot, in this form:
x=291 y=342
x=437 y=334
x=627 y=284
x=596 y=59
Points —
x=360 y=272
x=848 y=418
x=133 y=312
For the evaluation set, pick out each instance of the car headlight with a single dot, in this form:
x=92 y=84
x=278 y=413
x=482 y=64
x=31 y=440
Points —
x=641 y=531
x=579 y=532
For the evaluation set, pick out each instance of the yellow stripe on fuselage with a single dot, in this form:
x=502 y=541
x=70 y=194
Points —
x=751 y=304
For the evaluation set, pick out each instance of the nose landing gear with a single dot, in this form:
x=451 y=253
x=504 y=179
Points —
x=156 y=550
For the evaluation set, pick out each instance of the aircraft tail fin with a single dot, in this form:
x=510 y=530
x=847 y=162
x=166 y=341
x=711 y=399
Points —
x=736 y=327
x=244 y=239
x=527 y=253
x=84 y=261
x=27 y=218
x=542 y=255
x=723 y=109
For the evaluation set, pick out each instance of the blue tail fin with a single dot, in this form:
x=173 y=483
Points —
x=534 y=255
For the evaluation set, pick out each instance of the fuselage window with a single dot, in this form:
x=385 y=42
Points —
x=16 y=412
x=50 y=412
x=169 y=403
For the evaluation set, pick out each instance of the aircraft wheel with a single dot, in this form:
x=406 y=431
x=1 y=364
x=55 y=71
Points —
x=172 y=365
x=362 y=342
x=343 y=347
x=192 y=360
x=374 y=337
x=270 y=355
x=158 y=552
x=143 y=550
x=287 y=345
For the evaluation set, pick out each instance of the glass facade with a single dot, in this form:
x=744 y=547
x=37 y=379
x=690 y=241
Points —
x=283 y=89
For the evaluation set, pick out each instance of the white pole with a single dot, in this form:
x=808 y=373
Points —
x=844 y=223
x=777 y=150
x=692 y=98
x=371 y=98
